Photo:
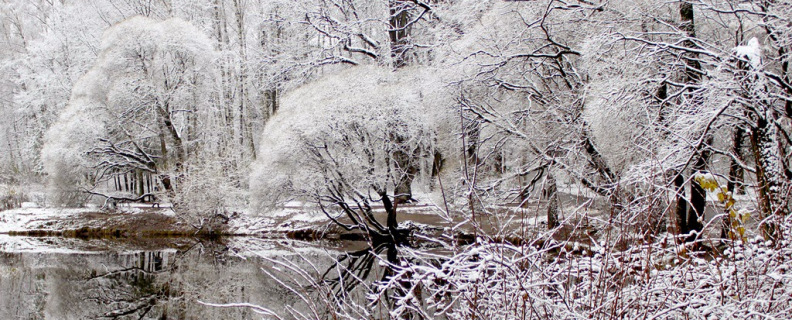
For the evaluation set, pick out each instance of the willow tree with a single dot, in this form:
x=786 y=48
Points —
x=136 y=109
x=335 y=144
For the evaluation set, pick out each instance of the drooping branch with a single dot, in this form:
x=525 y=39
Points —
x=113 y=199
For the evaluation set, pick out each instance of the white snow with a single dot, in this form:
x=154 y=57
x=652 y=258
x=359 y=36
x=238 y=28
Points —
x=752 y=52
x=703 y=175
x=15 y=244
x=24 y=218
x=28 y=205
x=309 y=217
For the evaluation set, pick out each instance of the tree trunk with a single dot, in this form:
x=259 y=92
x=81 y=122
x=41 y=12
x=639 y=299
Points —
x=139 y=189
x=783 y=51
x=407 y=170
x=245 y=125
x=596 y=159
x=681 y=204
x=552 y=202
x=735 y=184
x=698 y=197
x=736 y=172
x=692 y=74
x=399 y=31
x=768 y=174
x=392 y=224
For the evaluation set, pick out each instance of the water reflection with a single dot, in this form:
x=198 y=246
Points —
x=165 y=283
x=54 y=278
x=131 y=291
x=364 y=284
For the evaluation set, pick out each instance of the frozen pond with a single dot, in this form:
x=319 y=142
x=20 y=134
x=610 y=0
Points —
x=58 y=278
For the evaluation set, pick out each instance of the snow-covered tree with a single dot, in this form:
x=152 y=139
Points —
x=690 y=99
x=342 y=143
x=521 y=96
x=139 y=106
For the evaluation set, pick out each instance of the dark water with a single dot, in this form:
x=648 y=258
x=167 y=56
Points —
x=54 y=278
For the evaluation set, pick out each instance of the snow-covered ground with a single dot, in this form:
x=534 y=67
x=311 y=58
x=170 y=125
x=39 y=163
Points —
x=296 y=215
x=14 y=244
x=32 y=217
x=23 y=219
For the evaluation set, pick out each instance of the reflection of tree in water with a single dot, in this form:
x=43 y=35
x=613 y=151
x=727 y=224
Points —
x=159 y=284
x=134 y=291
x=130 y=291
x=353 y=268
x=20 y=293
x=168 y=284
x=362 y=284
x=154 y=285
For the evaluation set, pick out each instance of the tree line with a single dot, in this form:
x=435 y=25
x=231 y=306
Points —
x=347 y=103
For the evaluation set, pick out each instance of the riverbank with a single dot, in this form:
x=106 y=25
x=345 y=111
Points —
x=291 y=222
x=143 y=221
x=83 y=222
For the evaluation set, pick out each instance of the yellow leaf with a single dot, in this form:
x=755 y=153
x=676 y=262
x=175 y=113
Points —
x=706 y=182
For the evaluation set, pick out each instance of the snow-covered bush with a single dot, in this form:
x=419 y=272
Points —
x=207 y=199
x=566 y=280
x=647 y=281
x=11 y=197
